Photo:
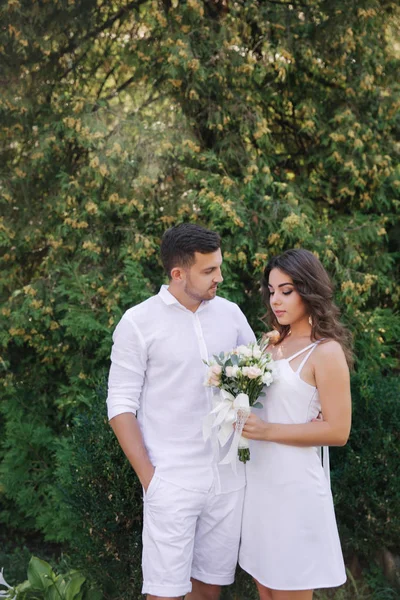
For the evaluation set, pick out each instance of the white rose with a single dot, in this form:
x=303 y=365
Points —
x=267 y=378
x=251 y=372
x=232 y=371
x=257 y=352
x=244 y=351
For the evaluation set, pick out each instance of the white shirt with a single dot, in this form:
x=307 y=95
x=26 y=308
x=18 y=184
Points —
x=157 y=372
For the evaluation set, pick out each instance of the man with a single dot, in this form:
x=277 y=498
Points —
x=156 y=404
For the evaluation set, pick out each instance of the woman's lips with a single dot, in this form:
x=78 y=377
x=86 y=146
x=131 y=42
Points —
x=279 y=313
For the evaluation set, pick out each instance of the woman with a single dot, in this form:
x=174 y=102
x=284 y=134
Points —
x=290 y=544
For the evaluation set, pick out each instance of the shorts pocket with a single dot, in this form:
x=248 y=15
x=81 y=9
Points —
x=152 y=487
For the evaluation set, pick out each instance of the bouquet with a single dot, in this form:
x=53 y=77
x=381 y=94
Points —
x=240 y=376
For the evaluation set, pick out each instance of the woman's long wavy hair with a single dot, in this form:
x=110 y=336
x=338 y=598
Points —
x=313 y=284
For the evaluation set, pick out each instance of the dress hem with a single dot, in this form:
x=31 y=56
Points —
x=292 y=589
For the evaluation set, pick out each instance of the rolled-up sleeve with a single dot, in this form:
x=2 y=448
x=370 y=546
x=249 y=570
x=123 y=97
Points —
x=128 y=368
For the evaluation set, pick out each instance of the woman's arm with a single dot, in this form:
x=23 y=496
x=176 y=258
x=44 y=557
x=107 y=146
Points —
x=333 y=383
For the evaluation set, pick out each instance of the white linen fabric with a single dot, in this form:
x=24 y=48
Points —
x=157 y=371
x=289 y=534
x=188 y=534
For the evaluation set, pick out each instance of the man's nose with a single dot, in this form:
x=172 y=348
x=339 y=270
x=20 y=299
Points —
x=218 y=277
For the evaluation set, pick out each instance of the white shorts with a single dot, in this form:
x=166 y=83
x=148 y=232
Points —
x=188 y=534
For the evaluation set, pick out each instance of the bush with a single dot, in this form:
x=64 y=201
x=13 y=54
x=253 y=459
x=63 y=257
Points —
x=100 y=504
x=365 y=480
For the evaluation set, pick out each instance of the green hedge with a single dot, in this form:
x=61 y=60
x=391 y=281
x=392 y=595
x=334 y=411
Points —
x=365 y=480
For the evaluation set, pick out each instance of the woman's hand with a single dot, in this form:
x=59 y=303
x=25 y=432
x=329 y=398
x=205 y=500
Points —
x=255 y=428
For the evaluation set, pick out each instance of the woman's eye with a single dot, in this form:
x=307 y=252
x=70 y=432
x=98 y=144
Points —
x=287 y=293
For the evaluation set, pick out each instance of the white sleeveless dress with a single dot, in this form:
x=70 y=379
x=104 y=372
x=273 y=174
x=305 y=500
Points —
x=290 y=539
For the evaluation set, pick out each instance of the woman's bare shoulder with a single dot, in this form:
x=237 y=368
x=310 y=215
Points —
x=329 y=349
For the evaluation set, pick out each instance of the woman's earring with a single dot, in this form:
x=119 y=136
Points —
x=310 y=320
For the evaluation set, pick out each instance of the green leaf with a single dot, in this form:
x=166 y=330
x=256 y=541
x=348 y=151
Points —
x=258 y=405
x=73 y=586
x=40 y=574
x=235 y=359
x=25 y=586
x=54 y=592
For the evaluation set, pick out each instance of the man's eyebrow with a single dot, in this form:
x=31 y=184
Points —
x=281 y=284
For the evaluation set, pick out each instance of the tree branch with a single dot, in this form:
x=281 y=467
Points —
x=55 y=56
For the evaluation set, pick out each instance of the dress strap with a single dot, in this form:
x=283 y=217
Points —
x=305 y=359
x=301 y=351
x=303 y=362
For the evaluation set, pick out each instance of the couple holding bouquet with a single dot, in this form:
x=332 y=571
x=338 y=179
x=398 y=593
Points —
x=183 y=425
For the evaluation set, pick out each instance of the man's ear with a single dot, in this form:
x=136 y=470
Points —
x=178 y=274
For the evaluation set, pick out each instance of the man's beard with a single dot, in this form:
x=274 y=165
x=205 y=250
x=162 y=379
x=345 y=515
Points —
x=188 y=289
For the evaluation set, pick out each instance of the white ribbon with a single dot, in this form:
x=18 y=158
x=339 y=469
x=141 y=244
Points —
x=228 y=410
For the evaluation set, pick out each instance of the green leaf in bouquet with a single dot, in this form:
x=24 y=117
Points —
x=258 y=405
x=235 y=360
x=40 y=574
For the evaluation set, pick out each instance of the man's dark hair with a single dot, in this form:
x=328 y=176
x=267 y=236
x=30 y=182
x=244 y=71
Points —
x=180 y=243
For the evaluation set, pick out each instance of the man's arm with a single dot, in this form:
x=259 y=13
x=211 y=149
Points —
x=125 y=383
x=127 y=430
x=245 y=332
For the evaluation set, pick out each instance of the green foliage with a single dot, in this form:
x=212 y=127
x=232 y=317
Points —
x=100 y=502
x=360 y=589
x=45 y=584
x=365 y=482
x=274 y=123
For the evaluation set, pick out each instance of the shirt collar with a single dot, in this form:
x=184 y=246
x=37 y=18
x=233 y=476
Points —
x=169 y=299
x=166 y=296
